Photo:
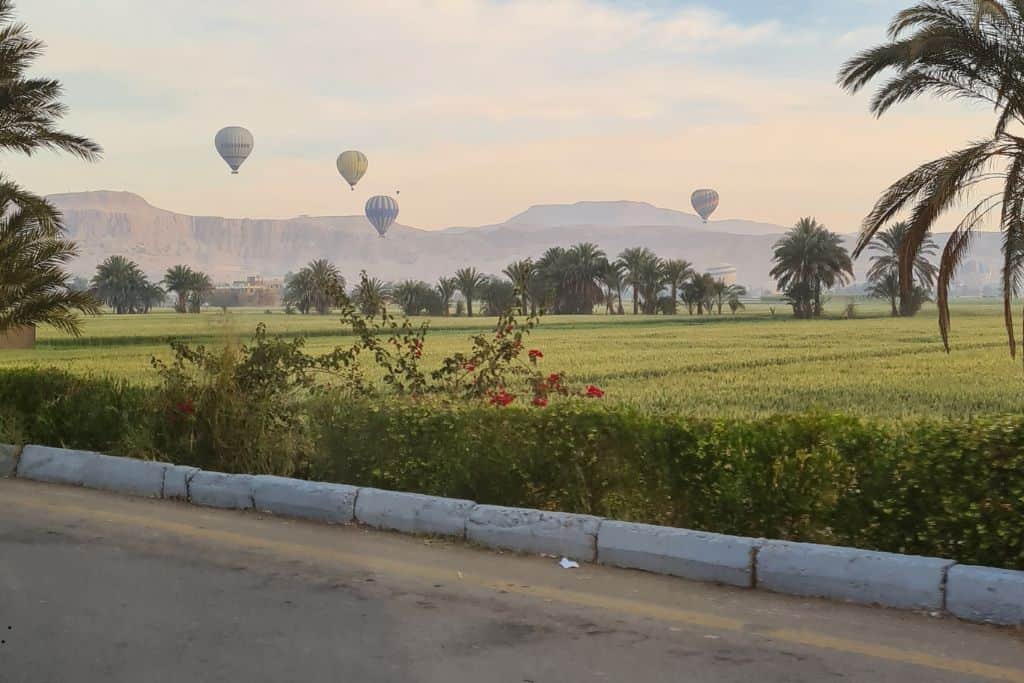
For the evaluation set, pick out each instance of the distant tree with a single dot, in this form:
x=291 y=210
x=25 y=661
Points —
x=118 y=283
x=298 y=289
x=34 y=285
x=200 y=287
x=889 y=247
x=370 y=295
x=651 y=282
x=633 y=261
x=677 y=272
x=498 y=296
x=469 y=281
x=613 y=281
x=522 y=274
x=446 y=288
x=808 y=260
x=699 y=292
x=417 y=298
x=327 y=284
x=177 y=280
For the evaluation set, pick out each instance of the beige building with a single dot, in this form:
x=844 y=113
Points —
x=252 y=291
x=18 y=338
x=724 y=272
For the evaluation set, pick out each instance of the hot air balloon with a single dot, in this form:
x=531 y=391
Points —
x=352 y=165
x=704 y=203
x=381 y=211
x=234 y=144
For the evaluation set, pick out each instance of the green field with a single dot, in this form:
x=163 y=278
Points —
x=750 y=364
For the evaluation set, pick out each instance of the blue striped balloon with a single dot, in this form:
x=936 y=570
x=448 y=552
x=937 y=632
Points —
x=381 y=211
x=704 y=203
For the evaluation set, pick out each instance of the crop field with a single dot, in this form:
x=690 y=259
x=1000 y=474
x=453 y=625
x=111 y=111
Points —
x=730 y=366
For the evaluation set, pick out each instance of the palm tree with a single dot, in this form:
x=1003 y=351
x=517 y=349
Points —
x=326 y=283
x=33 y=285
x=35 y=288
x=498 y=295
x=971 y=51
x=370 y=295
x=677 y=272
x=699 y=292
x=808 y=260
x=446 y=288
x=199 y=288
x=585 y=263
x=885 y=267
x=468 y=281
x=633 y=261
x=117 y=283
x=30 y=107
x=177 y=280
x=651 y=281
x=733 y=294
x=298 y=288
x=522 y=274
x=613 y=281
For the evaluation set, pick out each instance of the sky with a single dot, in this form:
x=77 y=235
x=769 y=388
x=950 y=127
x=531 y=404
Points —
x=477 y=109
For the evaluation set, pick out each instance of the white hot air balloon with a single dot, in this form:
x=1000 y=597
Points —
x=352 y=166
x=234 y=144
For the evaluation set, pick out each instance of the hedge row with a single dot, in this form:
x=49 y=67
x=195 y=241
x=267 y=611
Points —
x=949 y=488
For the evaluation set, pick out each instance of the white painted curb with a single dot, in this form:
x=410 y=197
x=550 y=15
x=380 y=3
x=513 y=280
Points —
x=694 y=555
x=851 y=575
x=535 y=531
x=413 y=513
x=995 y=596
x=981 y=594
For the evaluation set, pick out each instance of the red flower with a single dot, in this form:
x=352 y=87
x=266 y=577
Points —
x=508 y=330
x=186 y=407
x=535 y=354
x=594 y=392
x=554 y=379
x=540 y=402
x=469 y=367
x=502 y=398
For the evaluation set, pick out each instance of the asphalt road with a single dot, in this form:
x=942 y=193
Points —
x=96 y=587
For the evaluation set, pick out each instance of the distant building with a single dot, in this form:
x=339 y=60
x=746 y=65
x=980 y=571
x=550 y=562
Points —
x=724 y=272
x=252 y=291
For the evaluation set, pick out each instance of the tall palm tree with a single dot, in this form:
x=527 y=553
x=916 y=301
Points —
x=651 y=281
x=962 y=50
x=613 y=281
x=371 y=294
x=633 y=261
x=446 y=288
x=30 y=108
x=522 y=274
x=699 y=292
x=33 y=250
x=35 y=288
x=177 y=280
x=469 y=281
x=117 y=283
x=585 y=264
x=885 y=266
x=326 y=284
x=199 y=288
x=677 y=272
x=808 y=260
x=298 y=288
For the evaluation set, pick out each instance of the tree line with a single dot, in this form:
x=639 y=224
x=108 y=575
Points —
x=120 y=284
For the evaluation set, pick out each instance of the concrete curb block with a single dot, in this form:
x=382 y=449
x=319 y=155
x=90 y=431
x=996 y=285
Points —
x=981 y=594
x=217 y=490
x=176 y=481
x=535 y=531
x=413 y=513
x=994 y=596
x=694 y=555
x=54 y=465
x=8 y=459
x=851 y=575
x=331 y=503
x=123 y=475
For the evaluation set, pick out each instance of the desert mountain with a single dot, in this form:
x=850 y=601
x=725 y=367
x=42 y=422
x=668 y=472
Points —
x=106 y=223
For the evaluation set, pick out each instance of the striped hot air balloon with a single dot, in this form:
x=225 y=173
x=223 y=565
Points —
x=381 y=211
x=234 y=144
x=352 y=166
x=704 y=203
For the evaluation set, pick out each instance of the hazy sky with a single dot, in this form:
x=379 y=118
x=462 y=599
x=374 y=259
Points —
x=476 y=109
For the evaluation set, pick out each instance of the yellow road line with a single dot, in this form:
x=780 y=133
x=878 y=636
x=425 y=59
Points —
x=630 y=607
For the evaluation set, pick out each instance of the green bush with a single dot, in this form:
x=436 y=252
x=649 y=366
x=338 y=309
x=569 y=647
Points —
x=944 y=488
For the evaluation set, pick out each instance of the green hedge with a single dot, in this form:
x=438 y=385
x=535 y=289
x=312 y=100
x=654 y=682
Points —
x=943 y=488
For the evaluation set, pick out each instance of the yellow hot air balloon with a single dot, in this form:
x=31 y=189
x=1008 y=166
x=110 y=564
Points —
x=352 y=166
